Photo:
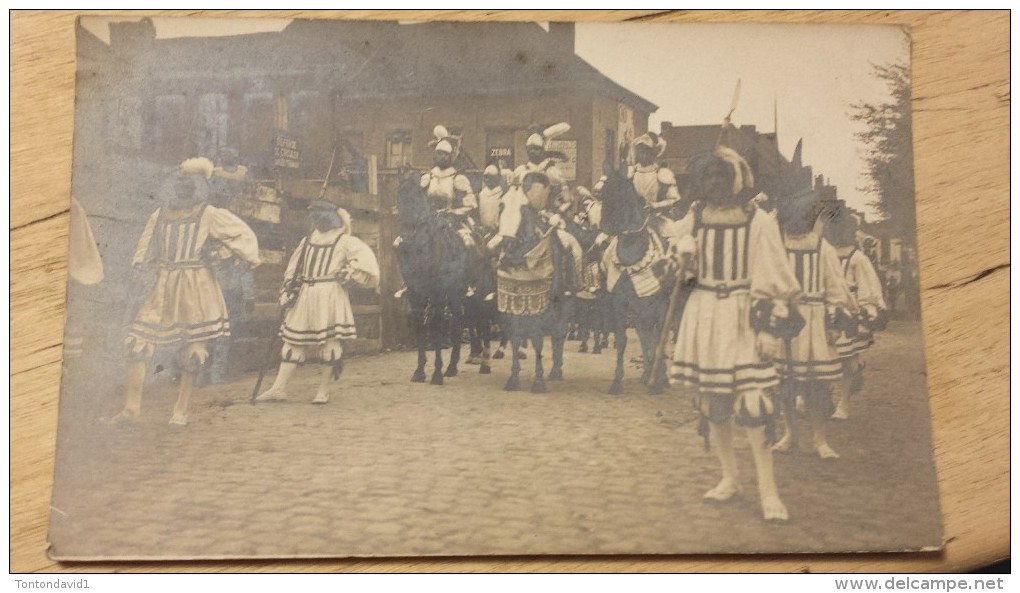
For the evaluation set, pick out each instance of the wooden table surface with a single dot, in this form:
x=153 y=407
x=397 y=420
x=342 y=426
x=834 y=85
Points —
x=961 y=139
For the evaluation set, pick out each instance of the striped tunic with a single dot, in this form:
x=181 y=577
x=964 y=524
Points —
x=866 y=289
x=186 y=303
x=739 y=258
x=321 y=315
x=816 y=265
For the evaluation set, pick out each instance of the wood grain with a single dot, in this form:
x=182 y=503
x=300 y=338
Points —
x=961 y=127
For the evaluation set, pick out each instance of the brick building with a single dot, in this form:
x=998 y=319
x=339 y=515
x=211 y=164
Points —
x=371 y=91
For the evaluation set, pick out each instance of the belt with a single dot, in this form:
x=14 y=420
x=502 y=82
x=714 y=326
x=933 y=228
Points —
x=722 y=291
x=804 y=298
x=318 y=280
x=178 y=265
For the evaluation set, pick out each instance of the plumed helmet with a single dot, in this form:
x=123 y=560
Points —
x=653 y=141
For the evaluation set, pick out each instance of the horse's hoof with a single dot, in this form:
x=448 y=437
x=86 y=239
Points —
x=556 y=375
x=498 y=355
x=584 y=347
x=656 y=388
x=437 y=378
x=539 y=387
x=616 y=388
x=522 y=355
x=418 y=377
x=474 y=359
x=451 y=372
x=597 y=350
x=485 y=369
x=512 y=384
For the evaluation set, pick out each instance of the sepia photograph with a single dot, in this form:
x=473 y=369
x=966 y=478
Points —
x=378 y=288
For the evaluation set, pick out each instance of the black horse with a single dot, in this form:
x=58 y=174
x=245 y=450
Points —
x=547 y=311
x=433 y=261
x=637 y=254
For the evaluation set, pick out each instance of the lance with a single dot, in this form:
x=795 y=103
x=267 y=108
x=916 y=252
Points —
x=675 y=298
x=269 y=356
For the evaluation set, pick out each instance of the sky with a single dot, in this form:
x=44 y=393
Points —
x=809 y=74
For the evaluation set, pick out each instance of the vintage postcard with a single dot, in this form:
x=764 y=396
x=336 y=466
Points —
x=373 y=288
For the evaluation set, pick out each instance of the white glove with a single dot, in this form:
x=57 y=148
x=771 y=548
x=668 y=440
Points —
x=780 y=310
x=494 y=242
x=768 y=346
x=685 y=245
x=557 y=221
x=397 y=242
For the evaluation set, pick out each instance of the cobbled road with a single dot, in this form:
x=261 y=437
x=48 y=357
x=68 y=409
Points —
x=394 y=468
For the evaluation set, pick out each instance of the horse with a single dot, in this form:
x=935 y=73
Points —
x=537 y=279
x=638 y=276
x=480 y=311
x=591 y=305
x=433 y=261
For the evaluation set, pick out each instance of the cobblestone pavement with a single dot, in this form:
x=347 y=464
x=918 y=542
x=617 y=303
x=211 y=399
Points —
x=393 y=468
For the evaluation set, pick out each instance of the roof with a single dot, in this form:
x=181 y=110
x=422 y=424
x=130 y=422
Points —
x=386 y=58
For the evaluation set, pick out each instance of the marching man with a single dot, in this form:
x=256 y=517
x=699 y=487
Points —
x=866 y=290
x=810 y=362
x=185 y=307
x=490 y=200
x=318 y=314
x=741 y=300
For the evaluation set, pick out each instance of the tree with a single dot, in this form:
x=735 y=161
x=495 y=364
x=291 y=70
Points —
x=889 y=152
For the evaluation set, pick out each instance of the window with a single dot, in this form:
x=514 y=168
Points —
x=398 y=149
x=211 y=125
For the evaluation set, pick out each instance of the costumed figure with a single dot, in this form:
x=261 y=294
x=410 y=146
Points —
x=810 y=362
x=541 y=160
x=740 y=304
x=537 y=276
x=316 y=298
x=228 y=180
x=233 y=274
x=448 y=190
x=866 y=290
x=591 y=301
x=84 y=269
x=657 y=185
x=185 y=307
x=480 y=308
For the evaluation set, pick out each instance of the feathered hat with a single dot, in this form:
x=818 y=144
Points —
x=197 y=165
x=442 y=140
x=653 y=141
x=198 y=170
x=542 y=138
x=743 y=178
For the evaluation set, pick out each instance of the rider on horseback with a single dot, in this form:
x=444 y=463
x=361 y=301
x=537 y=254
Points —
x=657 y=185
x=541 y=160
x=448 y=190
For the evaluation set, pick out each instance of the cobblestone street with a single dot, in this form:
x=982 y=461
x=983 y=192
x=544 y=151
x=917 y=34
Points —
x=395 y=468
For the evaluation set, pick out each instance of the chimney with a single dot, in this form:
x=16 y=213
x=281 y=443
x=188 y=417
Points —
x=665 y=127
x=562 y=37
